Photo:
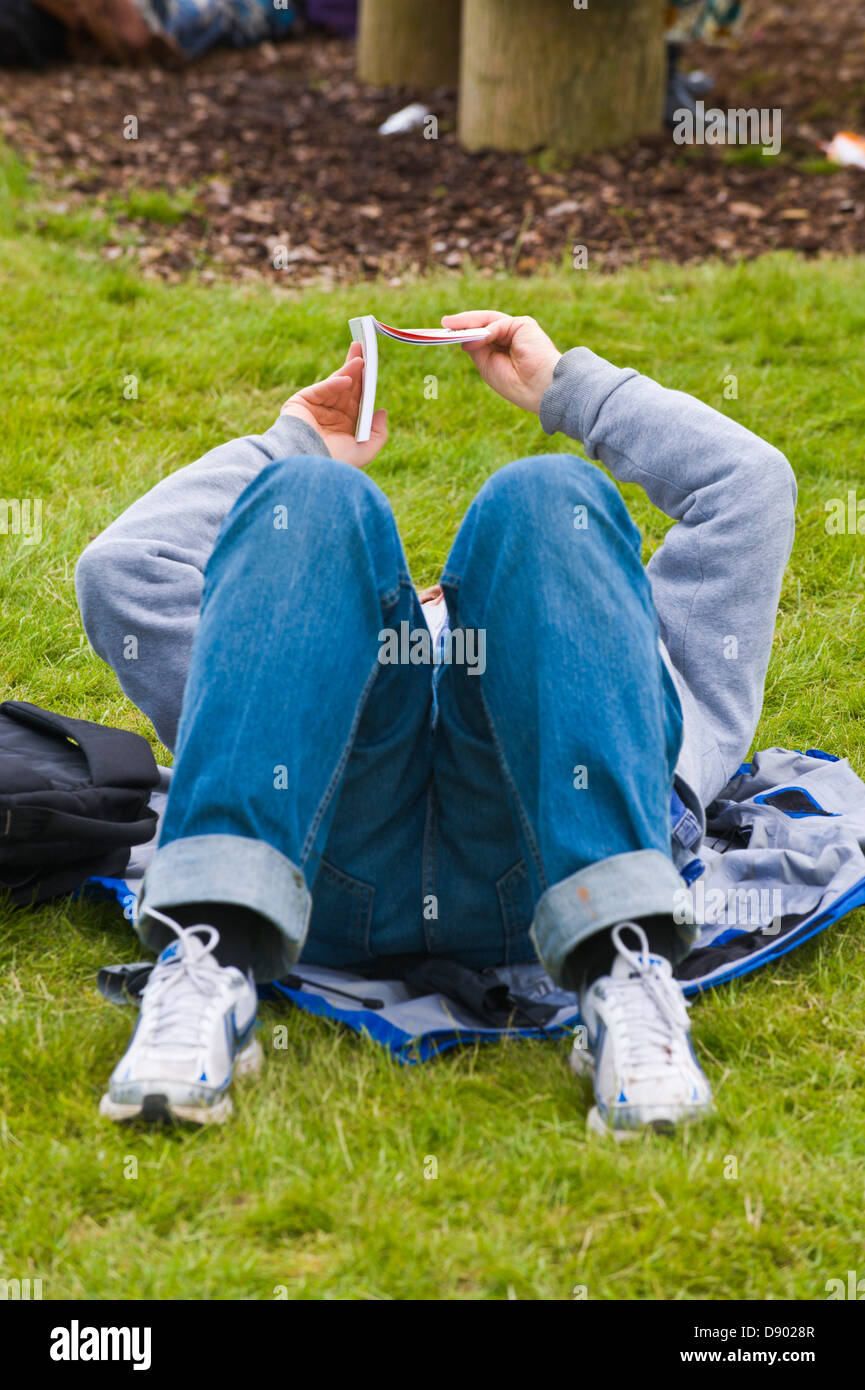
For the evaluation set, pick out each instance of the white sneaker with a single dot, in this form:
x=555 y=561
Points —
x=640 y=1054
x=196 y=1029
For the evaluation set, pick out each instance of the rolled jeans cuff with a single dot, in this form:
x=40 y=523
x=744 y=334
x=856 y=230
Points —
x=230 y=869
x=642 y=883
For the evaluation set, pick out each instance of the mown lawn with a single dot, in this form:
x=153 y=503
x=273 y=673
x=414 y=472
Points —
x=317 y=1187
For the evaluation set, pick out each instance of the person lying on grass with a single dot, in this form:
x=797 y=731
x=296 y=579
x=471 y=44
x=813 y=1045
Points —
x=336 y=804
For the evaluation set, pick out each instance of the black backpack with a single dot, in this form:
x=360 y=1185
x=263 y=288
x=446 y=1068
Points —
x=73 y=800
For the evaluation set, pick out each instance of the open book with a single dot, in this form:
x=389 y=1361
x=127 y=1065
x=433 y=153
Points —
x=364 y=331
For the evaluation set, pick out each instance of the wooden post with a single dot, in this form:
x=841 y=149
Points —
x=409 y=43
x=548 y=74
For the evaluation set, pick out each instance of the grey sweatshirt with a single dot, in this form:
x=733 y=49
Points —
x=715 y=579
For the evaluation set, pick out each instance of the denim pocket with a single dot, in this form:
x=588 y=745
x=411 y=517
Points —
x=339 y=928
x=515 y=903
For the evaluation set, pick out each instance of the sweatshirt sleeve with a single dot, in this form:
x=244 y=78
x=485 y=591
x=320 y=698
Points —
x=716 y=579
x=139 y=583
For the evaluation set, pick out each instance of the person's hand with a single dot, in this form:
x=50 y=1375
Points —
x=331 y=407
x=516 y=358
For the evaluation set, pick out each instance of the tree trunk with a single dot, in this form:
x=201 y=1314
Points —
x=409 y=43
x=549 y=74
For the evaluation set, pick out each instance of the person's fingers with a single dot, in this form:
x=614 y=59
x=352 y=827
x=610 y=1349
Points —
x=377 y=432
x=348 y=377
x=323 y=392
x=338 y=382
x=354 y=371
x=503 y=330
x=355 y=350
x=378 y=426
x=367 y=451
x=473 y=318
x=500 y=335
x=345 y=377
x=478 y=352
x=352 y=367
x=350 y=372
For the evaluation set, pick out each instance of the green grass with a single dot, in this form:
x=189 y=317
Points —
x=318 y=1185
x=754 y=155
x=816 y=164
x=158 y=205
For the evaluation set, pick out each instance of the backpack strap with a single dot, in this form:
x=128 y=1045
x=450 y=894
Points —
x=40 y=825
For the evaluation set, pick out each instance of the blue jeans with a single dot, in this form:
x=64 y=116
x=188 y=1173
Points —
x=367 y=809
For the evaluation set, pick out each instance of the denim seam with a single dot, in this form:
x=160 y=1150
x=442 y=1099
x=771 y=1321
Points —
x=359 y=902
x=534 y=848
x=508 y=889
x=403 y=581
x=338 y=771
x=525 y=826
x=351 y=885
x=390 y=596
x=428 y=859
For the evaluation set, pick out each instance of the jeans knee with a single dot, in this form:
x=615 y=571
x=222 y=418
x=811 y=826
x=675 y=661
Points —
x=534 y=490
x=312 y=488
x=318 y=506
x=326 y=478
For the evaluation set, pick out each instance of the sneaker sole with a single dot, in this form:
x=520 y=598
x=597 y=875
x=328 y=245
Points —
x=596 y=1124
x=582 y=1063
x=155 y=1108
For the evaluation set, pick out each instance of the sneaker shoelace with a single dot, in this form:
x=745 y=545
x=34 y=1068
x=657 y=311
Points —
x=652 y=1007
x=173 y=994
